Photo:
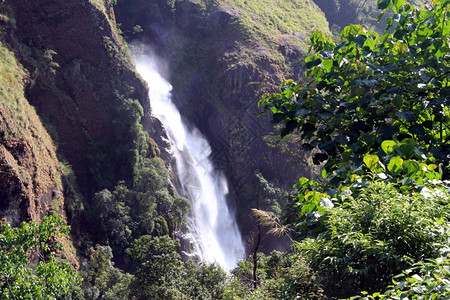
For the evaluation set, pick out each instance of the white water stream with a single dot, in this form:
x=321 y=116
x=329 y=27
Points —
x=212 y=227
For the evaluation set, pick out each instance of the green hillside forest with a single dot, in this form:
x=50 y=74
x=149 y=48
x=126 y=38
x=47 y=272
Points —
x=323 y=125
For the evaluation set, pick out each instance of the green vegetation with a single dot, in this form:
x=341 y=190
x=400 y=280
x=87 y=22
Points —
x=271 y=19
x=280 y=276
x=425 y=280
x=11 y=88
x=374 y=113
x=103 y=280
x=104 y=5
x=159 y=273
x=375 y=110
x=148 y=207
x=30 y=266
x=163 y=275
x=370 y=238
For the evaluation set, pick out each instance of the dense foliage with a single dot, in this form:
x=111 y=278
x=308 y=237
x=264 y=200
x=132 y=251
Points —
x=280 y=276
x=370 y=88
x=161 y=273
x=426 y=280
x=30 y=266
x=148 y=207
x=374 y=110
x=374 y=236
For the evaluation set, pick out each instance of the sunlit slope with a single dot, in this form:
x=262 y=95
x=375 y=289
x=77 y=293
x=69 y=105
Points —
x=271 y=19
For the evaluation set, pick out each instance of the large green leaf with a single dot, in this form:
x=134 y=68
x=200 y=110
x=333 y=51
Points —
x=371 y=161
x=395 y=164
x=388 y=146
x=411 y=167
x=397 y=5
x=383 y=4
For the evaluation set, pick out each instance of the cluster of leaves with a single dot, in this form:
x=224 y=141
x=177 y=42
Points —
x=310 y=205
x=370 y=88
x=426 y=280
x=29 y=265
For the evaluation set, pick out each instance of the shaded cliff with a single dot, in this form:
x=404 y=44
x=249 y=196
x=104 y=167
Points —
x=341 y=13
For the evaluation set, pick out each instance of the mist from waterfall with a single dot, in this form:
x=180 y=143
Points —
x=212 y=227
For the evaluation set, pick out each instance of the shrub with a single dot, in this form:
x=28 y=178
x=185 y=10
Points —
x=382 y=232
x=23 y=278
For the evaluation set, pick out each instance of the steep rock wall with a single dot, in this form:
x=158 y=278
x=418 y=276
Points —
x=64 y=65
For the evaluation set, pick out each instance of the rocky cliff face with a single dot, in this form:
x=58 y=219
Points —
x=83 y=85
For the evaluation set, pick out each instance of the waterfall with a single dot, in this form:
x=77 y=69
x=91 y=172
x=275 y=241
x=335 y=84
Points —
x=212 y=227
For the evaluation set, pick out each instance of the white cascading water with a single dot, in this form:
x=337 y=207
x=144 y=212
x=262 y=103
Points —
x=212 y=227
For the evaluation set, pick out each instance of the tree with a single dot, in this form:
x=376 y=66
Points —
x=101 y=279
x=159 y=266
x=369 y=88
x=161 y=273
x=30 y=267
x=113 y=216
x=376 y=110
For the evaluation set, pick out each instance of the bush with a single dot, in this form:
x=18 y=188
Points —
x=382 y=232
x=48 y=277
x=280 y=276
x=426 y=280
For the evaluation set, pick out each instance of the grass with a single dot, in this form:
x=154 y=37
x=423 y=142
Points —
x=272 y=19
x=21 y=123
x=100 y=4
x=11 y=90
